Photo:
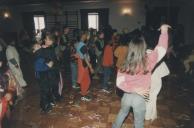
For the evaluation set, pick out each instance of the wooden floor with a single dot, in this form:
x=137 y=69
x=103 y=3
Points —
x=173 y=110
x=175 y=107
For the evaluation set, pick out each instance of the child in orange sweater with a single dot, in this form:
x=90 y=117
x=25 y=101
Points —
x=107 y=64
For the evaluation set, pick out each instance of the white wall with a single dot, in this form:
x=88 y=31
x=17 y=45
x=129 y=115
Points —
x=116 y=19
x=119 y=21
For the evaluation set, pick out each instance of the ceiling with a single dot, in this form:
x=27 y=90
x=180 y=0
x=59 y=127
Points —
x=23 y=2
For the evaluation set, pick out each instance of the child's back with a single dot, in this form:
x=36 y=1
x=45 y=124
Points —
x=135 y=78
x=141 y=81
x=108 y=56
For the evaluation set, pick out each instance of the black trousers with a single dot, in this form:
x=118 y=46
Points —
x=54 y=84
x=46 y=96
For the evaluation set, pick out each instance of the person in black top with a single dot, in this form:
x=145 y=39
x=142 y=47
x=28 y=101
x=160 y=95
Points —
x=50 y=56
x=65 y=37
x=99 y=47
x=65 y=43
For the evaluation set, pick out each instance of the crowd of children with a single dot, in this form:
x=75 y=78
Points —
x=86 y=56
x=92 y=55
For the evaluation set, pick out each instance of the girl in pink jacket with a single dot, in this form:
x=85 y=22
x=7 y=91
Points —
x=134 y=78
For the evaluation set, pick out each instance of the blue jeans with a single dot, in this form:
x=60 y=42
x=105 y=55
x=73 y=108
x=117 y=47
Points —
x=74 y=73
x=106 y=77
x=135 y=101
x=98 y=68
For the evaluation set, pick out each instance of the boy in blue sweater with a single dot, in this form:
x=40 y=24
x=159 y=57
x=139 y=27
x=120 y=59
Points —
x=42 y=75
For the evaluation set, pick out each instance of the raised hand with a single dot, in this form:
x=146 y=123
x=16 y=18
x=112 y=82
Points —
x=164 y=28
x=50 y=64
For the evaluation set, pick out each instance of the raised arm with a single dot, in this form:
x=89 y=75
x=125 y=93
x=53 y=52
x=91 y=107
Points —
x=163 y=42
x=160 y=50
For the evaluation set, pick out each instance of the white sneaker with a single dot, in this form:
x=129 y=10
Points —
x=53 y=104
x=75 y=87
x=85 y=98
x=106 y=91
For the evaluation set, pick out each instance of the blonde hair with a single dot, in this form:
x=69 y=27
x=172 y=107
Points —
x=136 y=61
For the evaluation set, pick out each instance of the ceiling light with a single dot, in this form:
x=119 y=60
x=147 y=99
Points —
x=6 y=15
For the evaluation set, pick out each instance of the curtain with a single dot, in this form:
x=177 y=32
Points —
x=28 y=22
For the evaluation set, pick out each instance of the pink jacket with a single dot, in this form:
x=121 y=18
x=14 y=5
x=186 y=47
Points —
x=141 y=82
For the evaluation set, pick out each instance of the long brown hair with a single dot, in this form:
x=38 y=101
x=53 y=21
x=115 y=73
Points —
x=136 y=59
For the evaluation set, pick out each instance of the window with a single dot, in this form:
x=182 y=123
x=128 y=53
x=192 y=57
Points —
x=39 y=22
x=93 y=21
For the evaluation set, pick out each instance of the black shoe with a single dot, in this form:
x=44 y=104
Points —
x=46 y=109
x=58 y=98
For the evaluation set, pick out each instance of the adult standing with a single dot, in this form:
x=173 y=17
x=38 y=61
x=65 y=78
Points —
x=13 y=59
